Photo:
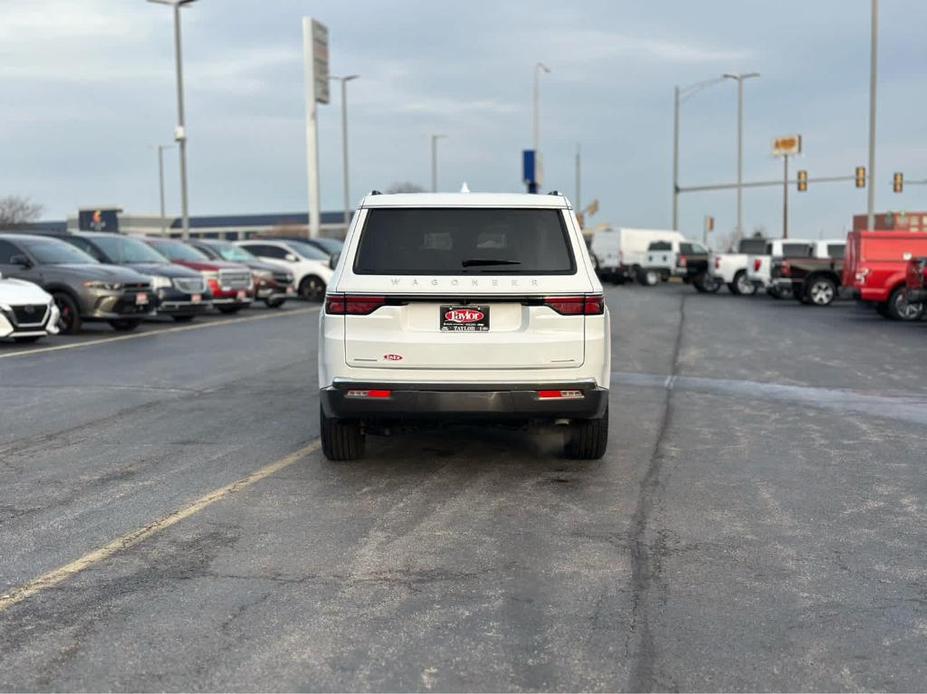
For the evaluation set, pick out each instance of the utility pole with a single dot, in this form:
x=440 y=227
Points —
x=740 y=141
x=873 y=72
x=344 y=147
x=785 y=198
x=434 y=161
x=161 y=149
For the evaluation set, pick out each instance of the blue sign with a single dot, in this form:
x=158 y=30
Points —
x=528 y=168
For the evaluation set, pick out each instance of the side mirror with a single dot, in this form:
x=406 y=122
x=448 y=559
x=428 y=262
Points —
x=21 y=260
x=289 y=257
x=333 y=260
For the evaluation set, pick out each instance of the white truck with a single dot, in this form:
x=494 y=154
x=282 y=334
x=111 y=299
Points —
x=759 y=265
x=731 y=268
x=621 y=253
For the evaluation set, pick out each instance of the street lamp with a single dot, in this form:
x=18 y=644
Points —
x=161 y=149
x=344 y=145
x=434 y=161
x=873 y=78
x=680 y=94
x=180 y=134
x=538 y=69
x=740 y=139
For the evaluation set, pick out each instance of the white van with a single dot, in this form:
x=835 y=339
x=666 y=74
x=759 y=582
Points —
x=464 y=306
x=622 y=253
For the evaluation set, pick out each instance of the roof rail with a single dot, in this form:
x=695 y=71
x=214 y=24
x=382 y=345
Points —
x=555 y=192
x=375 y=192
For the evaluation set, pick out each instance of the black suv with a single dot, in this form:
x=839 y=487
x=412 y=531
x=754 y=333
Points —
x=84 y=289
x=182 y=292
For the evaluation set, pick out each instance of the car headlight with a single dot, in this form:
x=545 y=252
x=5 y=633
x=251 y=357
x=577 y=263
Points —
x=98 y=284
x=160 y=282
x=6 y=307
x=263 y=274
x=290 y=279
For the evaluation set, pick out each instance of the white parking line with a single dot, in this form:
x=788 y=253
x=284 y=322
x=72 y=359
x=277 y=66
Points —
x=157 y=333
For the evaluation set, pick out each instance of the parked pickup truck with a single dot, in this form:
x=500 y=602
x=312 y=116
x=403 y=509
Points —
x=815 y=279
x=759 y=267
x=876 y=269
x=677 y=258
x=731 y=268
x=917 y=281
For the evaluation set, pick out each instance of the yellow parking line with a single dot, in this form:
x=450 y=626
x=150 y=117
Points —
x=164 y=331
x=53 y=578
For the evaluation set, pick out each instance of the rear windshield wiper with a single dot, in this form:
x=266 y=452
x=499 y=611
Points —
x=474 y=262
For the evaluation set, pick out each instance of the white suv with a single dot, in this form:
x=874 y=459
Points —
x=464 y=306
x=309 y=265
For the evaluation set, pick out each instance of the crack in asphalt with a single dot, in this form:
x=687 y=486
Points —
x=646 y=561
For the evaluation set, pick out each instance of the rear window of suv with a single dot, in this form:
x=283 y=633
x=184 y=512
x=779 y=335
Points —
x=463 y=241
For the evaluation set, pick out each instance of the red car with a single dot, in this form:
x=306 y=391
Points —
x=876 y=270
x=229 y=283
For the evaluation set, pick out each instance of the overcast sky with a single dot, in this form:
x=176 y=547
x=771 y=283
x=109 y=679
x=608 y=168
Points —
x=88 y=89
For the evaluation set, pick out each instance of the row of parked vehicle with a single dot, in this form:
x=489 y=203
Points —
x=884 y=269
x=55 y=282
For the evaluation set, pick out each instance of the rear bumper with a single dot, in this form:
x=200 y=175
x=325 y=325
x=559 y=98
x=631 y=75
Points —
x=478 y=401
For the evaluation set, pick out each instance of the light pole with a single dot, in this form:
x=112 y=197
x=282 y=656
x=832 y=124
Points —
x=344 y=145
x=680 y=94
x=873 y=73
x=434 y=161
x=740 y=141
x=180 y=134
x=536 y=141
x=161 y=149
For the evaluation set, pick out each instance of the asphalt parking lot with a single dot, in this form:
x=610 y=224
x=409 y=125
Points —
x=757 y=522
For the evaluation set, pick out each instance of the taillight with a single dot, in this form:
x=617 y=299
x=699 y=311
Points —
x=576 y=305
x=560 y=394
x=682 y=261
x=785 y=269
x=352 y=305
x=757 y=263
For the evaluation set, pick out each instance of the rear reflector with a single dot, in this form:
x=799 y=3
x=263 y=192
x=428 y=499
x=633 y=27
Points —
x=560 y=394
x=368 y=394
x=352 y=305
x=576 y=305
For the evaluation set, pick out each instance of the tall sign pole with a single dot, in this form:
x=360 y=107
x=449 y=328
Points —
x=785 y=147
x=873 y=72
x=315 y=55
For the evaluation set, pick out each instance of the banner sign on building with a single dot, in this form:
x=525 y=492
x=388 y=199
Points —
x=320 y=60
x=98 y=220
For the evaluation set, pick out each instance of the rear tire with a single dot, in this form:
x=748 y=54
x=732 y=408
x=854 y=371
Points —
x=648 y=278
x=342 y=439
x=741 y=286
x=588 y=438
x=820 y=291
x=274 y=303
x=900 y=309
x=705 y=284
x=311 y=289
x=69 y=322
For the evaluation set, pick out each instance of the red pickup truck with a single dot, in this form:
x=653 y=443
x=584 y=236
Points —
x=917 y=281
x=876 y=270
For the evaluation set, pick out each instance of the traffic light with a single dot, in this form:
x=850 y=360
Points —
x=898 y=182
x=860 y=176
x=802 y=181
x=709 y=223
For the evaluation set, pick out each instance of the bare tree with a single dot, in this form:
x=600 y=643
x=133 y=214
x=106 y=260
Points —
x=405 y=187
x=18 y=211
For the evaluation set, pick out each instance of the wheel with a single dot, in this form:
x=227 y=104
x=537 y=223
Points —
x=648 y=278
x=741 y=286
x=705 y=284
x=900 y=309
x=311 y=288
x=27 y=340
x=183 y=319
x=124 y=325
x=229 y=309
x=588 y=438
x=274 y=303
x=69 y=322
x=820 y=291
x=342 y=439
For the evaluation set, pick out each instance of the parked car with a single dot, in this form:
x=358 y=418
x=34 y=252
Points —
x=83 y=288
x=311 y=267
x=759 y=267
x=272 y=285
x=27 y=312
x=815 y=279
x=182 y=292
x=730 y=269
x=229 y=284
x=464 y=306
x=327 y=245
x=916 y=281
x=675 y=258
x=876 y=270
x=620 y=253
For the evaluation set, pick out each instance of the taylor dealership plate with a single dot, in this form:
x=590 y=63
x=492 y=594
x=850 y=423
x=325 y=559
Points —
x=464 y=319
